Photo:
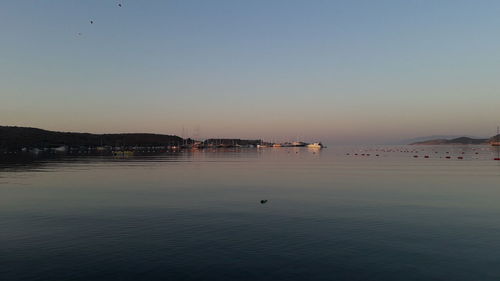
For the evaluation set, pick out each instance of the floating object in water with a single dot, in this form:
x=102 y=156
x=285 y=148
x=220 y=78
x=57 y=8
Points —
x=377 y=155
x=263 y=201
x=91 y=22
x=497 y=159
x=119 y=5
x=415 y=156
x=79 y=34
x=460 y=157
x=426 y=156
x=448 y=157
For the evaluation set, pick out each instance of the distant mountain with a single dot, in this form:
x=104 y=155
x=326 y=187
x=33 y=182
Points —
x=430 y=142
x=434 y=138
x=20 y=137
x=460 y=140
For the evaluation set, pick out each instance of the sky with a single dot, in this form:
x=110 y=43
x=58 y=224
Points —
x=336 y=71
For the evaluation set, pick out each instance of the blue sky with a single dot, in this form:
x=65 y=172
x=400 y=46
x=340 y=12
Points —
x=339 y=71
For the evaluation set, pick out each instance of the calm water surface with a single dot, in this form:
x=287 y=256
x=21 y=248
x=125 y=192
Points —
x=197 y=215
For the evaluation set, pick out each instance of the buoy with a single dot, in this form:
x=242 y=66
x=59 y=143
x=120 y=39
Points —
x=263 y=201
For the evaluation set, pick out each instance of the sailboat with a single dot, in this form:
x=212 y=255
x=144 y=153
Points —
x=496 y=142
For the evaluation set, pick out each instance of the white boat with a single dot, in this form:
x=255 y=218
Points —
x=315 y=145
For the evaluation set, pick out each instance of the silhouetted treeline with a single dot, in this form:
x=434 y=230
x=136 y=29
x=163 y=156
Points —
x=21 y=137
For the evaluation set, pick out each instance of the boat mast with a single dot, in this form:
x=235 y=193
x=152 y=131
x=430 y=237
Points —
x=498 y=144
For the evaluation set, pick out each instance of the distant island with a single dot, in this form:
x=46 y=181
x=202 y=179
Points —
x=459 y=141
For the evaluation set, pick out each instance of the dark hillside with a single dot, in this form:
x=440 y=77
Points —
x=461 y=140
x=19 y=137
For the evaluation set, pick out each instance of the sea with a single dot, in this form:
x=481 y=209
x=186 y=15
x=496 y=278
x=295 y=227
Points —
x=339 y=213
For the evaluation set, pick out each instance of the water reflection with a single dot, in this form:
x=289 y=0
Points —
x=197 y=215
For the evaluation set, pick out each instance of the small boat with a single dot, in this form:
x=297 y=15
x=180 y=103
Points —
x=315 y=145
x=298 y=144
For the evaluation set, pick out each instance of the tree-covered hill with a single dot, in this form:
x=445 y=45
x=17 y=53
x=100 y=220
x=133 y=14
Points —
x=19 y=137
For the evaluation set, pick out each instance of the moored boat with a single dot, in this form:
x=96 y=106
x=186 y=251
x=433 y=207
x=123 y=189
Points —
x=315 y=145
x=298 y=144
x=496 y=142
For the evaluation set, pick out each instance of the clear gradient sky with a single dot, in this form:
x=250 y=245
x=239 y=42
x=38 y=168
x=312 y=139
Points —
x=337 y=71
